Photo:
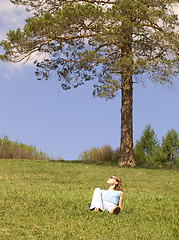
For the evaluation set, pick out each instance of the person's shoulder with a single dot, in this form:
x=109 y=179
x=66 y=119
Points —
x=104 y=190
x=121 y=193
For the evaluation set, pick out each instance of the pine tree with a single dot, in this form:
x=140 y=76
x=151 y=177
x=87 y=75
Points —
x=109 y=42
x=170 y=146
x=146 y=145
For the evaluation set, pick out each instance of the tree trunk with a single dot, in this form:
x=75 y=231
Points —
x=126 y=145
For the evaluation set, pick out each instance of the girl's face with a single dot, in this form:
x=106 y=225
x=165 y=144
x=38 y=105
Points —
x=112 y=181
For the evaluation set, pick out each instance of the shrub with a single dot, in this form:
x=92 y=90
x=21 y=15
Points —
x=97 y=155
x=11 y=150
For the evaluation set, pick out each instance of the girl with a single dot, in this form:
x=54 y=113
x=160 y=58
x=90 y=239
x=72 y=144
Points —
x=111 y=199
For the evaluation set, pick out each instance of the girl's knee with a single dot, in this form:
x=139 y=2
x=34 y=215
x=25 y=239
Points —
x=97 y=190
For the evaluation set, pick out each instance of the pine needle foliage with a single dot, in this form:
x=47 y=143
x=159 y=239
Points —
x=84 y=40
x=149 y=150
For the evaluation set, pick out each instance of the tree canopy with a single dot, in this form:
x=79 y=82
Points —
x=111 y=42
x=82 y=40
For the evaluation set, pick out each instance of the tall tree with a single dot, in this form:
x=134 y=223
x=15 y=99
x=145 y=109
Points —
x=107 y=41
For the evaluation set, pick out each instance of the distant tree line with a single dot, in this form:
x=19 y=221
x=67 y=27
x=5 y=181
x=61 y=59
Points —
x=17 y=150
x=147 y=150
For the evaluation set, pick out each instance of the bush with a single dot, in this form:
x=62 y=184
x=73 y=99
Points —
x=17 y=150
x=100 y=155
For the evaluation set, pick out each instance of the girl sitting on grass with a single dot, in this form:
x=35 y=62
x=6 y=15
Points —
x=111 y=199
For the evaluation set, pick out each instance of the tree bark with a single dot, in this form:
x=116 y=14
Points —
x=126 y=144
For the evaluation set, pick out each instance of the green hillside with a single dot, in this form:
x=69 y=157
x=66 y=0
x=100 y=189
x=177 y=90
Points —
x=48 y=200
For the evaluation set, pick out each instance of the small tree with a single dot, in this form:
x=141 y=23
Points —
x=145 y=146
x=148 y=149
x=170 y=146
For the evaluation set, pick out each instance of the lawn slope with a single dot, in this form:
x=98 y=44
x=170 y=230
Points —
x=48 y=201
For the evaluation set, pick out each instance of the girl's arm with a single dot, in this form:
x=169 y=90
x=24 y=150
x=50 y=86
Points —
x=121 y=200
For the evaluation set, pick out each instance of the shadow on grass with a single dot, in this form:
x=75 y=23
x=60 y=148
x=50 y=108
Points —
x=115 y=164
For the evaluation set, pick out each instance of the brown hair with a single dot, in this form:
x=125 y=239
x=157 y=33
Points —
x=118 y=186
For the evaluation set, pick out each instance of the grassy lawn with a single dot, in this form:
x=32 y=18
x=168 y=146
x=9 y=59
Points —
x=48 y=200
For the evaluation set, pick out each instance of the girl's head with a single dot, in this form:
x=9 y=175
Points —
x=116 y=181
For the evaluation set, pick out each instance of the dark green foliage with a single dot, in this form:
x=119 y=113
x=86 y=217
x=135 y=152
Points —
x=149 y=150
x=16 y=150
x=170 y=147
x=145 y=146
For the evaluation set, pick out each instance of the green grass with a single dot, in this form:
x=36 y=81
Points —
x=48 y=200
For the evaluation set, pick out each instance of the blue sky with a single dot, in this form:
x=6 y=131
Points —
x=68 y=122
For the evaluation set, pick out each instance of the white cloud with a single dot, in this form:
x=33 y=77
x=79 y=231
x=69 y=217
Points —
x=8 y=69
x=11 y=17
x=176 y=9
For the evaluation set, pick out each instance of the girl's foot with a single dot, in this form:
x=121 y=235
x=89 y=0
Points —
x=115 y=210
x=96 y=209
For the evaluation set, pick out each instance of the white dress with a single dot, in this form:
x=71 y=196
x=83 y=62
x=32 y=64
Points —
x=99 y=202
